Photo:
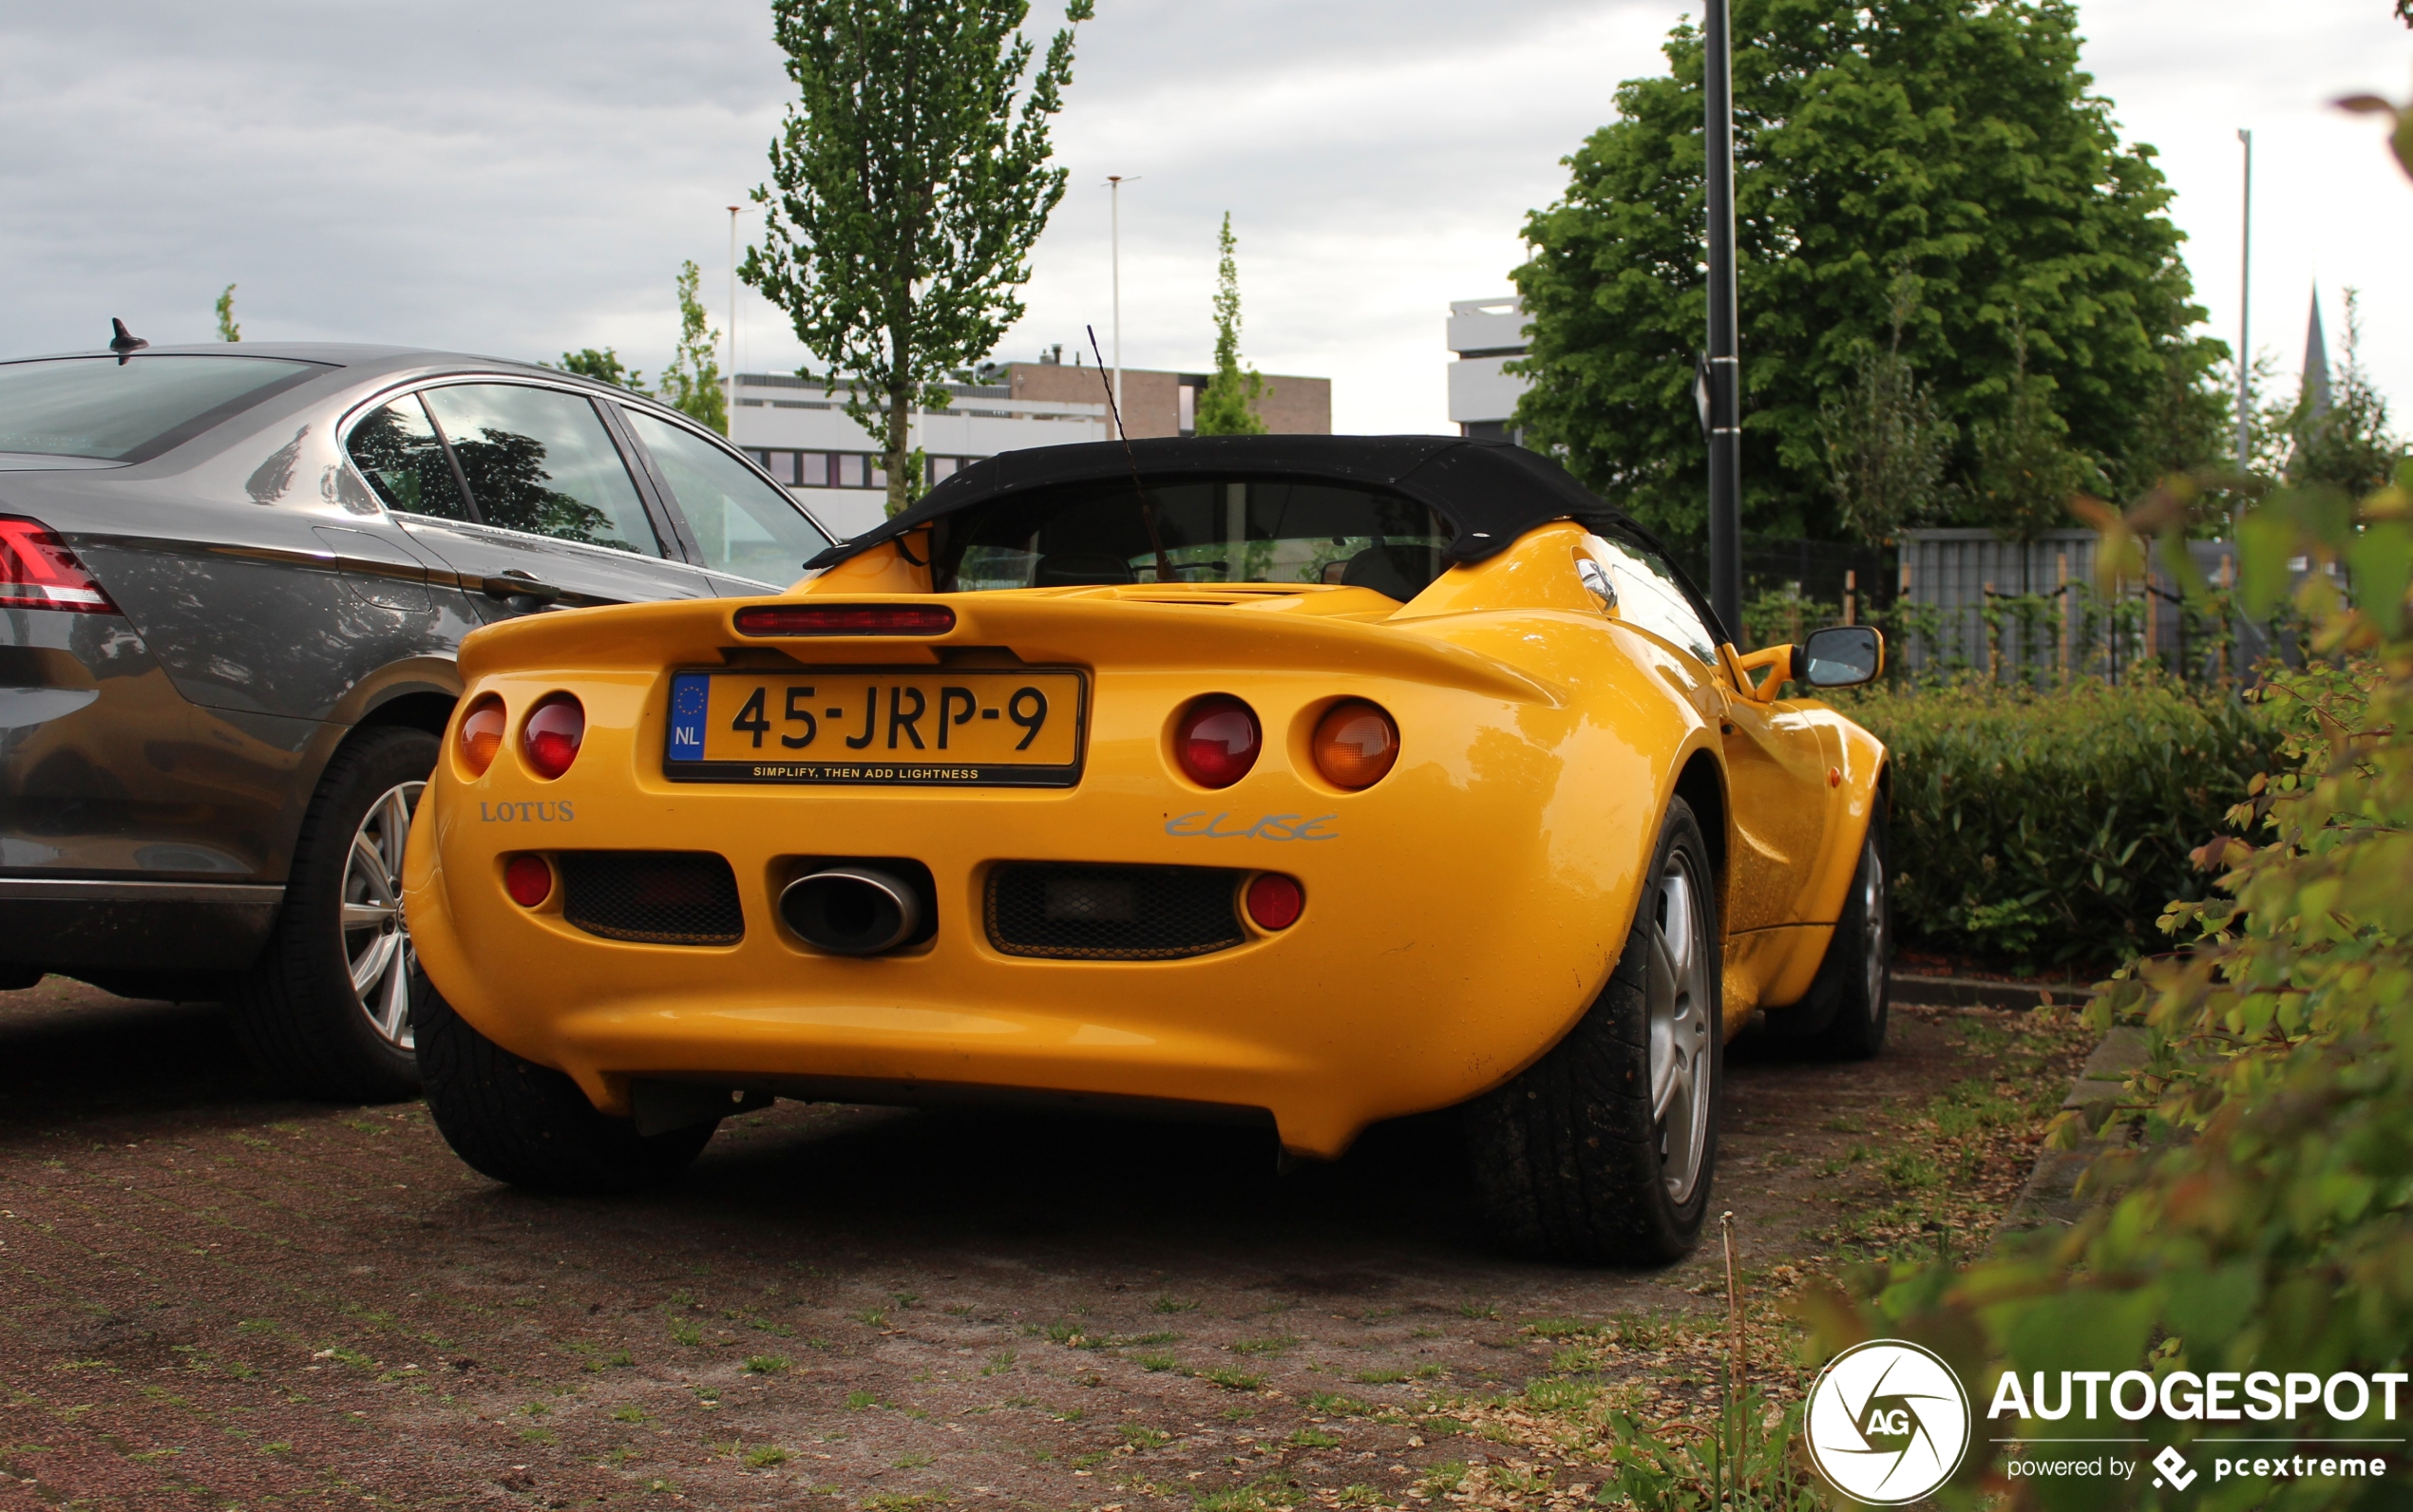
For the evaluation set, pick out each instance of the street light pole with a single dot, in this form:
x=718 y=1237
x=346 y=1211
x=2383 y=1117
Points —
x=1114 y=182
x=2245 y=304
x=1726 y=362
x=730 y=407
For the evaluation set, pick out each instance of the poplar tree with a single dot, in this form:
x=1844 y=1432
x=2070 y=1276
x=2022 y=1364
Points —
x=909 y=182
x=227 y=330
x=1228 y=406
x=691 y=384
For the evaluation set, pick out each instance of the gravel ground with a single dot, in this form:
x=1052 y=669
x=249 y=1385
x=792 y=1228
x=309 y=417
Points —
x=213 y=1297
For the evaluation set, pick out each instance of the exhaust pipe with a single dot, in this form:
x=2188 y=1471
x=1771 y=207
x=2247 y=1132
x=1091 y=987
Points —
x=852 y=910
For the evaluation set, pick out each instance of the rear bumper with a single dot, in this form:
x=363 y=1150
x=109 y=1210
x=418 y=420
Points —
x=72 y=924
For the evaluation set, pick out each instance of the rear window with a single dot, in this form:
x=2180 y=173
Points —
x=1238 y=530
x=97 y=406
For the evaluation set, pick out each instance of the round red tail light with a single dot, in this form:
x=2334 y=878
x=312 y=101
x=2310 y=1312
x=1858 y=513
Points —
x=1356 y=745
x=550 y=738
x=1274 y=901
x=1217 y=741
x=482 y=734
x=528 y=879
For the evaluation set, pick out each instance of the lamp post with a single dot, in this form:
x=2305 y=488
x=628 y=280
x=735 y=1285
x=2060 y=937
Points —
x=1723 y=370
x=1114 y=182
x=729 y=408
x=2245 y=303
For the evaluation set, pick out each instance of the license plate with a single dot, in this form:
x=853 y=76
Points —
x=880 y=727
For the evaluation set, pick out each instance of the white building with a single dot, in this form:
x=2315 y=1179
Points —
x=1485 y=334
x=802 y=432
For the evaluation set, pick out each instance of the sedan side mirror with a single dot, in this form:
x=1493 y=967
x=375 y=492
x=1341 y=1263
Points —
x=1840 y=657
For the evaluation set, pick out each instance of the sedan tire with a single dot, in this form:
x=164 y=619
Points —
x=1603 y=1150
x=529 y=1125
x=326 y=1010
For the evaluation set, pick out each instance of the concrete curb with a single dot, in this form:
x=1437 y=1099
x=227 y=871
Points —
x=2050 y=1197
x=1976 y=992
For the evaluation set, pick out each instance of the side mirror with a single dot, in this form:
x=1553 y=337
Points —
x=1840 y=657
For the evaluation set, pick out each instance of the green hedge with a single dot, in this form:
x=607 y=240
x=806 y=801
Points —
x=2054 y=826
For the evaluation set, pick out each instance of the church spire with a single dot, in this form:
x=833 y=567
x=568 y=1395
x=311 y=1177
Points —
x=2316 y=361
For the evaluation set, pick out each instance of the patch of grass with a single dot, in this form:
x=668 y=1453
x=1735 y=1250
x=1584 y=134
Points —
x=619 y=1359
x=1156 y=1362
x=1379 y=1377
x=1238 y=1415
x=682 y=1299
x=543 y=1436
x=1279 y=1344
x=1522 y=1481
x=684 y=1330
x=537 y=1408
x=1231 y=1380
x=1258 y=1496
x=1441 y=1427
x=900 y=1502
x=873 y=1317
x=1477 y=1310
x=1843 y=1124
x=1150 y=1338
x=1557 y=1327
x=1338 y=1405
x=912 y=1462
x=857 y=1401
x=631 y=1414
x=764 y=1456
x=1358 y=1495
x=1072 y=1414
x=1309 y=1438
x=905 y=1299
x=1442 y=1479
x=1141 y=1437
x=1558 y=1394
x=1912 y=1168
x=1169 y=1303
x=999 y=1363
x=764 y=1364
x=1082 y=1462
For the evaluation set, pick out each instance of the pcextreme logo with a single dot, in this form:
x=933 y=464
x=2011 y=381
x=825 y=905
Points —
x=1889 y=1422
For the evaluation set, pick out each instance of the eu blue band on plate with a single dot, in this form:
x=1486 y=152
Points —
x=691 y=695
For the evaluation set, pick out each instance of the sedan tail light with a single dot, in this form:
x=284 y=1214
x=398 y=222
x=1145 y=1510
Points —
x=1217 y=741
x=482 y=734
x=37 y=570
x=550 y=738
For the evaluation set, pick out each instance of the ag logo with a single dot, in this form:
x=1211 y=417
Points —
x=1888 y=1422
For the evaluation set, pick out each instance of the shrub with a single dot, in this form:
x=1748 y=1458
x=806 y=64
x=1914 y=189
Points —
x=2052 y=826
x=2281 y=1039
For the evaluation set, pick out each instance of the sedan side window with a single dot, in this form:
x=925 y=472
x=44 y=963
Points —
x=397 y=449
x=745 y=527
x=539 y=460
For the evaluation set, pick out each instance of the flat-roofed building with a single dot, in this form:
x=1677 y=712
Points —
x=801 y=432
x=1487 y=335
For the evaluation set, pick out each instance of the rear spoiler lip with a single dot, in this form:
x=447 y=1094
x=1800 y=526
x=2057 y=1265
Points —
x=1041 y=631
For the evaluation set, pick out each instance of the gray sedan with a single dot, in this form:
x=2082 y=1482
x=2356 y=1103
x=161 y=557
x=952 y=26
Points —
x=232 y=582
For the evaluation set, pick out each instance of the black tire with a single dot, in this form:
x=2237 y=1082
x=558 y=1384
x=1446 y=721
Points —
x=529 y=1125
x=298 y=1011
x=1574 y=1160
x=1843 y=1015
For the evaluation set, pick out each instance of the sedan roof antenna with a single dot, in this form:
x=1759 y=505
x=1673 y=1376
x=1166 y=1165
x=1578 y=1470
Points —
x=1147 y=509
x=125 y=343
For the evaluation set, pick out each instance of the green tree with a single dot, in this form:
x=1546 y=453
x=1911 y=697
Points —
x=2026 y=472
x=1227 y=407
x=603 y=367
x=227 y=330
x=691 y=384
x=1955 y=137
x=909 y=184
x=1886 y=444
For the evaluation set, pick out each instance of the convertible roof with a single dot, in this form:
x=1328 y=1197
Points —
x=1490 y=490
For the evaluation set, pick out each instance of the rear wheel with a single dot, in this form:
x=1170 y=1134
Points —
x=1603 y=1150
x=1843 y=1015
x=326 y=1010
x=529 y=1125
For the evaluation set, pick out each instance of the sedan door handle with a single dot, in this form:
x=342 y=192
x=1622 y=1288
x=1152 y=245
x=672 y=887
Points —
x=517 y=584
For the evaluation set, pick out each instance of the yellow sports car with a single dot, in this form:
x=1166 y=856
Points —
x=1301 y=781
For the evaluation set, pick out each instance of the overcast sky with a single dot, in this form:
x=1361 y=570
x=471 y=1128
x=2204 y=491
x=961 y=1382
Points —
x=522 y=178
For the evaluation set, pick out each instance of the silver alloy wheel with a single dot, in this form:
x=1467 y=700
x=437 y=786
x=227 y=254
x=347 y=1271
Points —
x=1875 y=923
x=376 y=941
x=1677 y=993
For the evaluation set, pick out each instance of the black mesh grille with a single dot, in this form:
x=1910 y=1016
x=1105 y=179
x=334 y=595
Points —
x=1113 y=912
x=654 y=898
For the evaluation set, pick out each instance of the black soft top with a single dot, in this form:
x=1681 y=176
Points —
x=1490 y=491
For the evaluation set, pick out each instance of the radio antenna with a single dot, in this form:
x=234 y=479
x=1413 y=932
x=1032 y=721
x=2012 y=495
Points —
x=1147 y=509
